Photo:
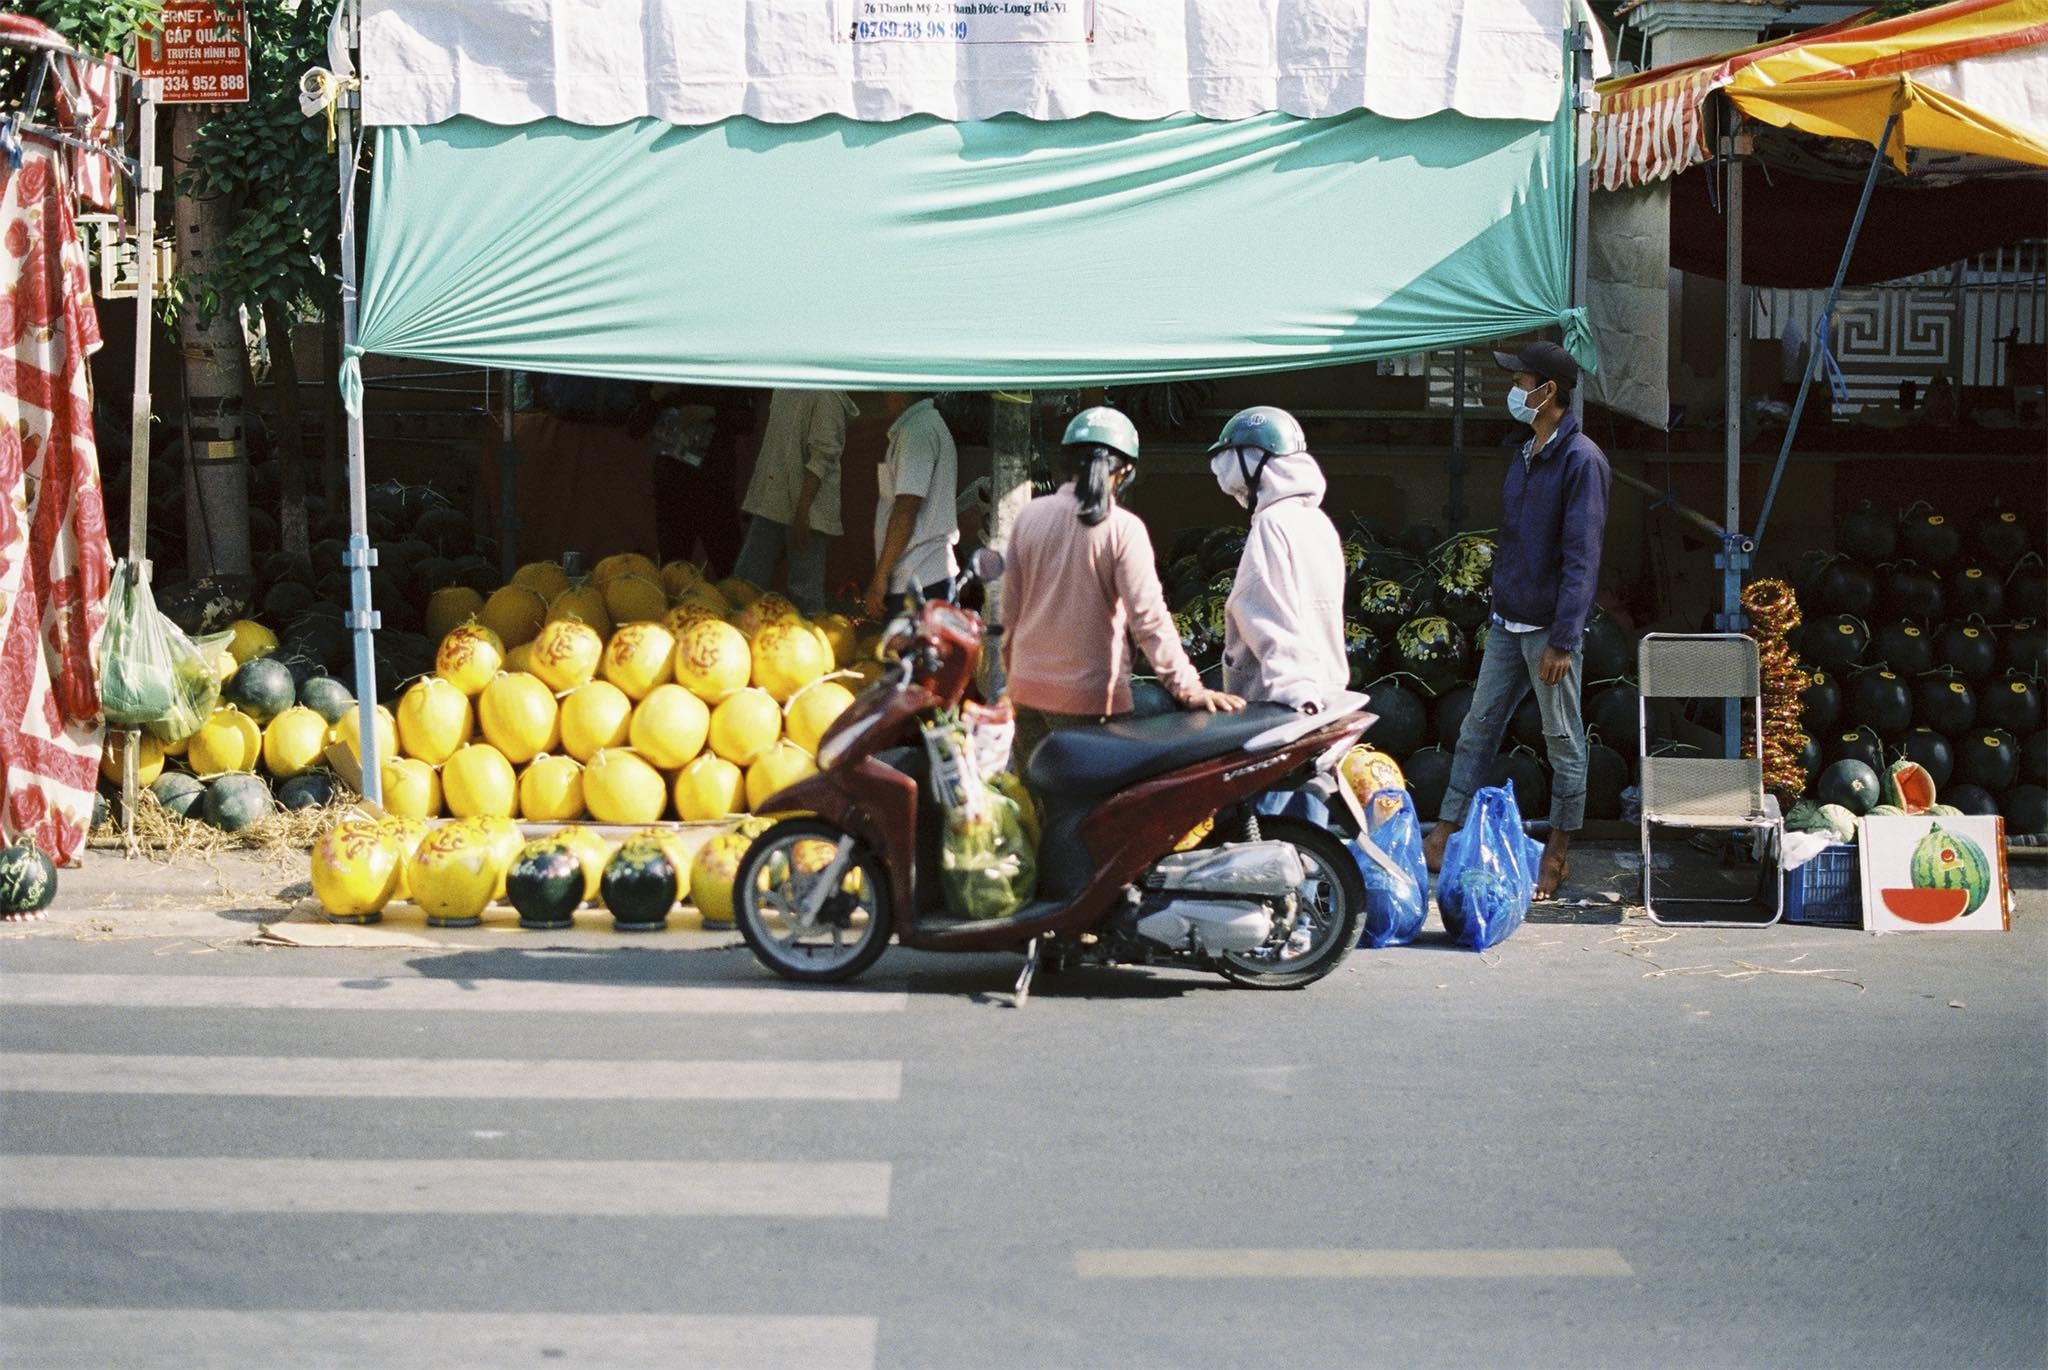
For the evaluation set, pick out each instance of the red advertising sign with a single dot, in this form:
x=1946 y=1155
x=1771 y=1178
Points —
x=201 y=52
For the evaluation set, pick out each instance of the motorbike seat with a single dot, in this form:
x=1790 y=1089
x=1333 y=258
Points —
x=1108 y=757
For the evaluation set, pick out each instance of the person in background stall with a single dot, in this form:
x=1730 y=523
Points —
x=1078 y=587
x=697 y=433
x=1545 y=572
x=792 y=501
x=915 y=523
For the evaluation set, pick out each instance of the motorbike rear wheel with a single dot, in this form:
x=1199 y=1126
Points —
x=798 y=930
x=1332 y=899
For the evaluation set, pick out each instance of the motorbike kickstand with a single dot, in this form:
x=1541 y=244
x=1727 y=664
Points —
x=1024 y=976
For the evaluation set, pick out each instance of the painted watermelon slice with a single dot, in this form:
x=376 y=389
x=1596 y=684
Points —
x=1926 y=906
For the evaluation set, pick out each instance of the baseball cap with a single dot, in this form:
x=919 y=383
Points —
x=1545 y=359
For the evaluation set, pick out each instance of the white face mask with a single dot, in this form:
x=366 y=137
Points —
x=1229 y=475
x=1519 y=406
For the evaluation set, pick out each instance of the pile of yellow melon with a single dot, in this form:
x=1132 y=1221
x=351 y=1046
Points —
x=636 y=695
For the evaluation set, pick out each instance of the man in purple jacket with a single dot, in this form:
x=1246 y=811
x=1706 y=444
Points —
x=1545 y=571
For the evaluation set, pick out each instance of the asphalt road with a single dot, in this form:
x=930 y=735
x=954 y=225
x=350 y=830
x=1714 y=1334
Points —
x=1599 y=1145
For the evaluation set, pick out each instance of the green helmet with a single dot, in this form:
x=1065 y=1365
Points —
x=1106 y=426
x=1273 y=431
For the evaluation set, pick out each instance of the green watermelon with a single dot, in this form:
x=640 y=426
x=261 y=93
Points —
x=639 y=886
x=1944 y=811
x=1949 y=861
x=28 y=882
x=1887 y=811
x=1805 y=817
x=237 y=801
x=1840 y=823
x=178 y=793
x=545 y=885
x=1850 y=784
x=1908 y=787
x=310 y=790
x=263 y=688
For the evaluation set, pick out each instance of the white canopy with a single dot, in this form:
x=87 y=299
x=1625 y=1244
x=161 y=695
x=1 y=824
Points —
x=604 y=62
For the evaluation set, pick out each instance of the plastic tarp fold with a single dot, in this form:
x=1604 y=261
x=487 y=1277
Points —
x=1628 y=297
x=931 y=255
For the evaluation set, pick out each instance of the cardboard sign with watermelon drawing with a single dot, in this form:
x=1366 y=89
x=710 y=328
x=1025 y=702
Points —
x=1934 y=873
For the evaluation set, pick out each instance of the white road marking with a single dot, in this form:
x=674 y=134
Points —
x=413 y=994
x=1331 y=1263
x=205 y=1339
x=605 y=1189
x=402 y=1078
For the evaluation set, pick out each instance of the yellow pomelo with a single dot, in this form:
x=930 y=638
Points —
x=505 y=840
x=745 y=727
x=736 y=592
x=592 y=851
x=585 y=603
x=355 y=870
x=866 y=673
x=751 y=828
x=515 y=613
x=176 y=748
x=708 y=789
x=294 y=742
x=1368 y=770
x=544 y=578
x=229 y=740
x=705 y=595
x=621 y=564
x=477 y=782
x=252 y=639
x=519 y=717
x=450 y=608
x=1007 y=784
x=520 y=658
x=784 y=764
x=551 y=790
x=639 y=657
x=711 y=876
x=349 y=732
x=678 y=576
x=452 y=874
x=839 y=631
x=149 y=757
x=408 y=833
x=412 y=788
x=769 y=608
x=566 y=654
x=595 y=716
x=434 y=718
x=686 y=615
x=712 y=661
x=225 y=666
x=620 y=787
x=669 y=727
x=469 y=656
x=787 y=657
x=812 y=710
x=635 y=599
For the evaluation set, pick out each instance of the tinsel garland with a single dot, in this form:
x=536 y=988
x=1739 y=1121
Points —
x=1773 y=614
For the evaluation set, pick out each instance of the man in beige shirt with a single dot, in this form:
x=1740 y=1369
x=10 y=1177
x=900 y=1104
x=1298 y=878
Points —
x=793 y=500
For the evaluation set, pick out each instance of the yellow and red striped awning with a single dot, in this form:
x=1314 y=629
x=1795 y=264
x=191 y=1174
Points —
x=1968 y=77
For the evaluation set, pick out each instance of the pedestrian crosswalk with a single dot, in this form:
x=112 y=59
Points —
x=102 y=1189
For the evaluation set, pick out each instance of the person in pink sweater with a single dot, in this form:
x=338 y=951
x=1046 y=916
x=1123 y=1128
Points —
x=1079 y=588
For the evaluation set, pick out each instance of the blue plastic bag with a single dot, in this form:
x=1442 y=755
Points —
x=1488 y=878
x=1396 y=887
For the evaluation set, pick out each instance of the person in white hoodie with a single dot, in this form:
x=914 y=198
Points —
x=1283 y=637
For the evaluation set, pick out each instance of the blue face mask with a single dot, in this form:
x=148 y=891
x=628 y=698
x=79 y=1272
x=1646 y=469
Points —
x=1518 y=404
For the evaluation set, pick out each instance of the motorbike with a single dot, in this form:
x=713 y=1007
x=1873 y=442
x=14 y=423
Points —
x=1270 y=898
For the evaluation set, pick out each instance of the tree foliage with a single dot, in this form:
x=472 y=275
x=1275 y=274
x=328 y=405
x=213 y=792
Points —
x=97 y=25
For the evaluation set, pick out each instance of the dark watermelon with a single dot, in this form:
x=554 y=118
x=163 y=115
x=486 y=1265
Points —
x=1420 y=539
x=1811 y=757
x=1363 y=653
x=1403 y=718
x=2011 y=702
x=1837 y=643
x=1149 y=699
x=28 y=882
x=1613 y=715
x=328 y=556
x=308 y=790
x=1850 y=784
x=1521 y=769
x=476 y=573
x=1970 y=647
x=1606 y=778
x=1428 y=773
x=1433 y=650
x=1945 y=702
x=1972 y=590
x=2034 y=759
x=327 y=697
x=1465 y=605
x=1843 y=586
x=2026 y=589
x=1881 y=700
x=1987 y=757
x=1904 y=647
x=2026 y=647
x=545 y=884
x=430 y=574
x=1930 y=751
x=1861 y=745
x=1912 y=591
x=2000 y=537
x=445 y=530
x=178 y=793
x=1970 y=799
x=1929 y=538
x=236 y=801
x=286 y=600
x=640 y=885
x=1605 y=652
x=1448 y=716
x=2026 y=811
x=1820 y=706
x=1866 y=534
x=262 y=688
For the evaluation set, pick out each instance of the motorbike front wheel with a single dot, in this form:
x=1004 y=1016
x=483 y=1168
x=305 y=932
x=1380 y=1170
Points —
x=1332 y=899
x=812 y=902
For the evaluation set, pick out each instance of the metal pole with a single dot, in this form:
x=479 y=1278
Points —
x=508 y=491
x=1009 y=443
x=1823 y=326
x=139 y=411
x=1734 y=325
x=1583 y=103
x=1454 y=507
x=362 y=619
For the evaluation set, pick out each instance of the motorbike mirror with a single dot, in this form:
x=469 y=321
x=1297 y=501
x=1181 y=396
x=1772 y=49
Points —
x=987 y=564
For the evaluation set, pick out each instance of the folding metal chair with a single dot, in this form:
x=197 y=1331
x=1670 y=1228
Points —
x=1704 y=792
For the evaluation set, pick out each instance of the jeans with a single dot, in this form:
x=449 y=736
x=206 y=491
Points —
x=766 y=544
x=1507 y=671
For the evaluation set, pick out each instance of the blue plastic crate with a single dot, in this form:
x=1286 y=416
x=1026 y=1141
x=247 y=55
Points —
x=1827 y=889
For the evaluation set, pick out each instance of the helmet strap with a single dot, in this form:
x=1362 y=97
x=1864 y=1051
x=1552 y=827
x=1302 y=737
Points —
x=1252 y=474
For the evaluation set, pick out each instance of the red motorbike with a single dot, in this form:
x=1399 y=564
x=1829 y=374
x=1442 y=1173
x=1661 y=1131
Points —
x=1269 y=899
